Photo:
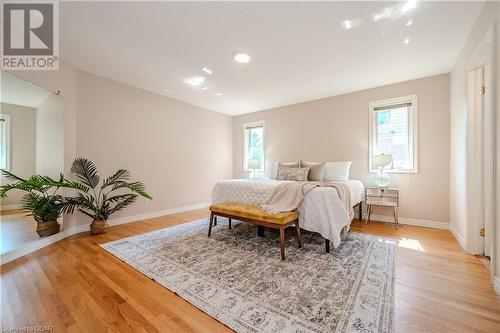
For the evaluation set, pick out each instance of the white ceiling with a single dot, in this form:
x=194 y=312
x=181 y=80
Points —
x=20 y=92
x=299 y=50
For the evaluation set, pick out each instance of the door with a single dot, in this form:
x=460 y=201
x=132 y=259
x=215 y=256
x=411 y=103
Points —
x=480 y=150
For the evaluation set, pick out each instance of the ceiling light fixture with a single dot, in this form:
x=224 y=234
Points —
x=346 y=24
x=349 y=24
x=410 y=4
x=242 y=58
x=407 y=40
x=207 y=70
x=410 y=22
x=195 y=80
x=218 y=94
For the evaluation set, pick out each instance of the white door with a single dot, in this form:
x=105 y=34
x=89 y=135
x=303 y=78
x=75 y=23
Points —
x=480 y=149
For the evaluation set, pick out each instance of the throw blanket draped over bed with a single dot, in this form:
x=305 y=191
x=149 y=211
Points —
x=325 y=208
x=287 y=197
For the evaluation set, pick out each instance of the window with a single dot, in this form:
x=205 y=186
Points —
x=5 y=141
x=254 y=142
x=393 y=131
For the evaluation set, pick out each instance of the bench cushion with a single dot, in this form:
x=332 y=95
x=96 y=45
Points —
x=253 y=212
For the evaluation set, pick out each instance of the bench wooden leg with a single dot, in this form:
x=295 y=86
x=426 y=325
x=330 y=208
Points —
x=327 y=246
x=210 y=223
x=260 y=231
x=229 y=223
x=215 y=221
x=297 y=233
x=282 y=242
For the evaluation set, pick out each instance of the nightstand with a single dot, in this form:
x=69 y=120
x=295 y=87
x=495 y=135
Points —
x=388 y=197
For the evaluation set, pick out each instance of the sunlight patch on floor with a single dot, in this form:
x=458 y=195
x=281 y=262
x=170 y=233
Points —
x=411 y=244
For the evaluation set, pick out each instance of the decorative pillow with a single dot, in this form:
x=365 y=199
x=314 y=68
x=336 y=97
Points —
x=337 y=170
x=277 y=165
x=315 y=170
x=288 y=164
x=298 y=174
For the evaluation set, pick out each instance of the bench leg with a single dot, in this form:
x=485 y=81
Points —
x=260 y=231
x=327 y=246
x=210 y=223
x=297 y=233
x=282 y=242
x=215 y=221
x=229 y=223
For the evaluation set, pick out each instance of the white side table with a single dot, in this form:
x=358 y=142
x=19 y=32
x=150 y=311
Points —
x=388 y=197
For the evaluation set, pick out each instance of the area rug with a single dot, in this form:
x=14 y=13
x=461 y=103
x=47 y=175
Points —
x=239 y=279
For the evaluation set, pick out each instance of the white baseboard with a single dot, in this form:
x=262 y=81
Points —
x=458 y=237
x=496 y=284
x=10 y=207
x=416 y=222
x=43 y=242
x=151 y=215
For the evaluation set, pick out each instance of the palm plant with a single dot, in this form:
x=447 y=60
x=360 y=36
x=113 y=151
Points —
x=41 y=200
x=99 y=202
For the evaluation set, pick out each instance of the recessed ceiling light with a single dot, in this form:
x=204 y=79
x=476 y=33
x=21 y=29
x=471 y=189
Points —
x=218 y=94
x=207 y=70
x=347 y=24
x=410 y=22
x=410 y=4
x=242 y=58
x=205 y=88
x=195 y=80
x=407 y=40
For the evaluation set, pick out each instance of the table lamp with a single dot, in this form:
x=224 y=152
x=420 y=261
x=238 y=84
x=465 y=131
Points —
x=380 y=162
x=253 y=164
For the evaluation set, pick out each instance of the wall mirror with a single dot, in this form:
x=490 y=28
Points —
x=31 y=142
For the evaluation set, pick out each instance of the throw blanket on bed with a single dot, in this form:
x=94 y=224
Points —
x=287 y=197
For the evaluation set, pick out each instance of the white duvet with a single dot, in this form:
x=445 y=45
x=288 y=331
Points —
x=321 y=210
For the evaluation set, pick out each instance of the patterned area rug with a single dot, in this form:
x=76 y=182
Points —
x=238 y=278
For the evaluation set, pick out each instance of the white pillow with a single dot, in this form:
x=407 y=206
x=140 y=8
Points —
x=337 y=170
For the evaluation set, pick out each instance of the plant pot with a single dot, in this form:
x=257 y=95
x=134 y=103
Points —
x=98 y=227
x=44 y=229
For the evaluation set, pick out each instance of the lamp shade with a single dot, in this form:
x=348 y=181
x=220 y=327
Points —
x=381 y=161
x=253 y=163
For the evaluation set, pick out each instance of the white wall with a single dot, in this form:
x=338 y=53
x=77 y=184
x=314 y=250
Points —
x=22 y=146
x=50 y=136
x=336 y=129
x=178 y=150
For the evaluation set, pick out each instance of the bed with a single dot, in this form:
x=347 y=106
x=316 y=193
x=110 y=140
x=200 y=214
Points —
x=321 y=211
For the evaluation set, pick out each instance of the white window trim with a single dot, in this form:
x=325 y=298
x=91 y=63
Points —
x=413 y=99
x=253 y=124
x=6 y=118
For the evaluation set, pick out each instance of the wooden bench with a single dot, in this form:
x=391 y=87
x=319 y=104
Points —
x=254 y=214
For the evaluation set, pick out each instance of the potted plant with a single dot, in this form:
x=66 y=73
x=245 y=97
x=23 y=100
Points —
x=41 y=200
x=99 y=200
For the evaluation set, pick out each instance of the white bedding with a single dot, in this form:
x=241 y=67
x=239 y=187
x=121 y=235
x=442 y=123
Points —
x=321 y=210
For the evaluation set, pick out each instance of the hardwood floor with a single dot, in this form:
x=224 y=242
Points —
x=75 y=286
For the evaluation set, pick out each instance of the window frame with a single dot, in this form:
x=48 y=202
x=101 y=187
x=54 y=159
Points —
x=245 y=143
x=412 y=131
x=6 y=120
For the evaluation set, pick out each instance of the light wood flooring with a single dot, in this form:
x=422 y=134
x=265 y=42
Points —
x=16 y=230
x=75 y=286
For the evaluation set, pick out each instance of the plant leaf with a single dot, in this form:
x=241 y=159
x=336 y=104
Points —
x=85 y=171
